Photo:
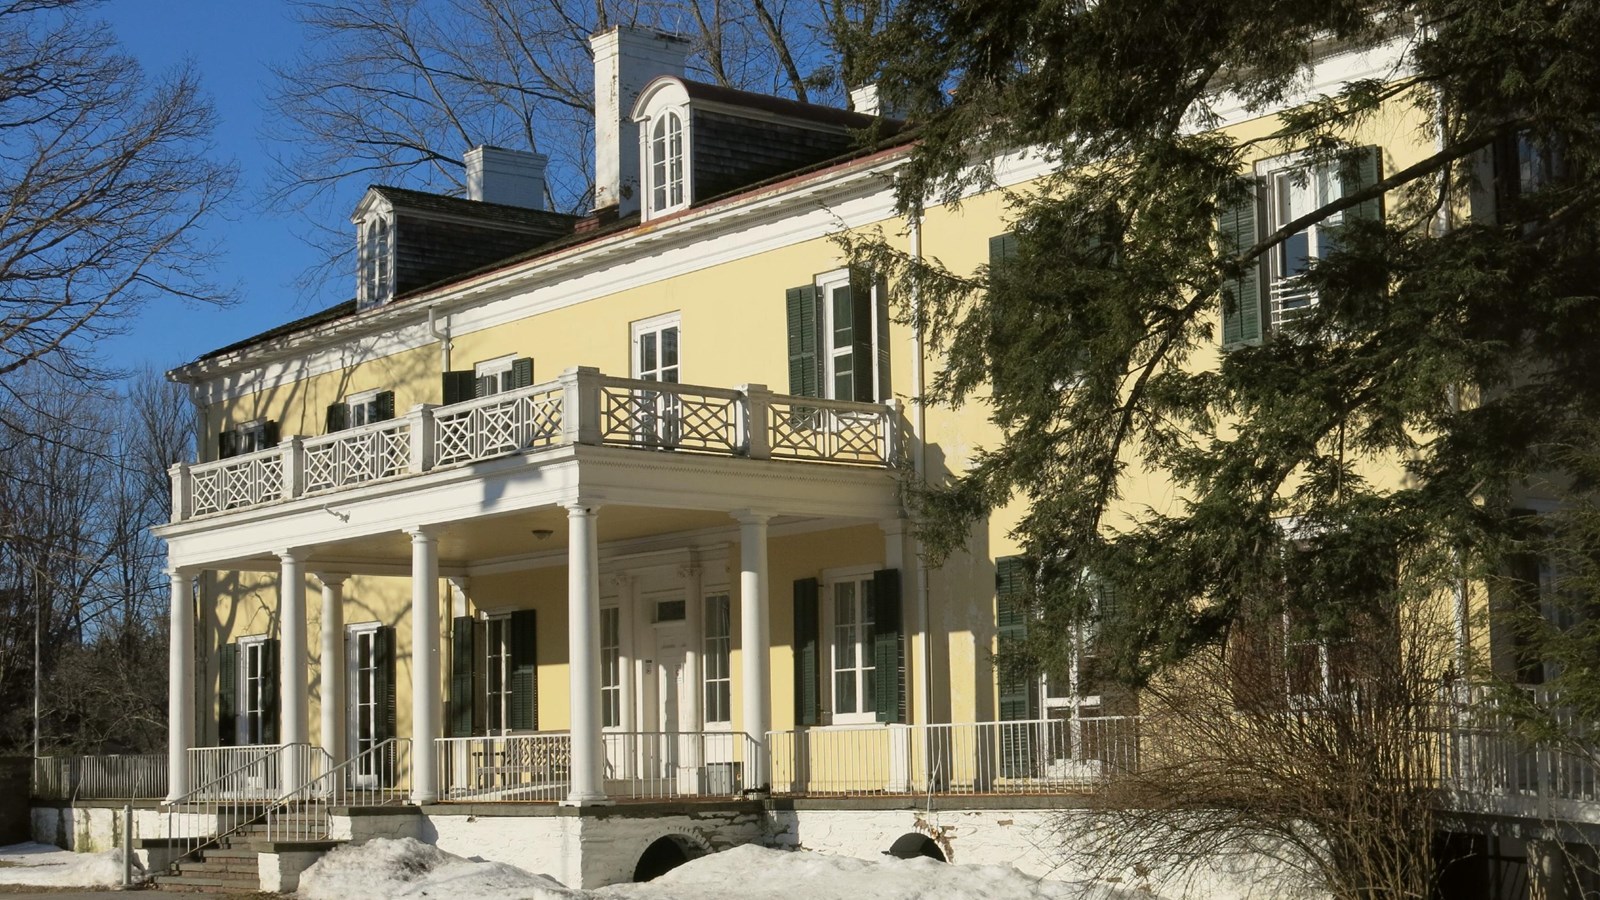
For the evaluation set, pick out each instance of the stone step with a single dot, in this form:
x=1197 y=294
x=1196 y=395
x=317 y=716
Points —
x=218 y=868
x=208 y=884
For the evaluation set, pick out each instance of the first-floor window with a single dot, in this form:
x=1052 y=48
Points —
x=718 y=677
x=852 y=637
x=255 y=689
x=611 y=667
x=497 y=680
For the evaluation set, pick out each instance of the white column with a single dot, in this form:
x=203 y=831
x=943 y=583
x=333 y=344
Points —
x=754 y=641
x=693 y=686
x=294 y=681
x=424 y=664
x=333 y=688
x=583 y=649
x=180 y=683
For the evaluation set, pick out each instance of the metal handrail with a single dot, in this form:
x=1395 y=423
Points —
x=229 y=811
x=303 y=813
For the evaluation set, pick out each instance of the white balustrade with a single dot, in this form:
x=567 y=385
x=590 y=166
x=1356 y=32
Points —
x=505 y=767
x=583 y=406
x=355 y=455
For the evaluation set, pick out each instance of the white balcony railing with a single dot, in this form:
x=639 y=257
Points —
x=1483 y=755
x=581 y=407
x=505 y=767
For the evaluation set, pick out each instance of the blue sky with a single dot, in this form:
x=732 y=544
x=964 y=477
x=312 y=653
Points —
x=232 y=44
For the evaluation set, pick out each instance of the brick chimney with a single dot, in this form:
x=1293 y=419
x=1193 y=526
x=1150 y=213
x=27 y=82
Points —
x=625 y=60
x=511 y=177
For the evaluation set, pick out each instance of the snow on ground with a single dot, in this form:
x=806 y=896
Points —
x=409 y=868
x=42 y=865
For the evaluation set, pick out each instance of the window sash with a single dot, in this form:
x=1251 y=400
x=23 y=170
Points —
x=610 y=667
x=854 y=681
x=718 y=647
x=497 y=678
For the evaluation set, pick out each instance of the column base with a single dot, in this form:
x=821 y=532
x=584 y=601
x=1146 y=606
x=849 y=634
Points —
x=582 y=800
x=419 y=799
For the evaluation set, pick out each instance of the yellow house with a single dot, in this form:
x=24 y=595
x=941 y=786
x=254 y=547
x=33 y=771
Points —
x=562 y=512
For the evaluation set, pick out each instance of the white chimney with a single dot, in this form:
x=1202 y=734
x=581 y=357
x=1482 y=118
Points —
x=625 y=60
x=869 y=101
x=511 y=177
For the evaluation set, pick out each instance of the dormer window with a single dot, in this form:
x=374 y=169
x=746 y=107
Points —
x=376 y=262
x=666 y=187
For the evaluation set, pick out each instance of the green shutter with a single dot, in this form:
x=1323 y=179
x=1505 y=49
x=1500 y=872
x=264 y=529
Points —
x=336 y=419
x=524 y=671
x=1002 y=247
x=805 y=363
x=459 y=387
x=1242 y=300
x=383 y=653
x=1019 y=697
x=463 y=653
x=228 y=695
x=269 y=434
x=383 y=406
x=227 y=443
x=1366 y=172
x=863 y=356
x=886 y=645
x=880 y=308
x=270 y=662
x=522 y=372
x=807 y=708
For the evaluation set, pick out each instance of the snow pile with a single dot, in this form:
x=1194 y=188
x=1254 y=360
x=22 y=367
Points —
x=757 y=873
x=408 y=868
x=42 y=865
x=405 y=867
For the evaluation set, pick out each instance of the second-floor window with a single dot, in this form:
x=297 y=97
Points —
x=247 y=437
x=487 y=378
x=838 y=337
x=358 y=409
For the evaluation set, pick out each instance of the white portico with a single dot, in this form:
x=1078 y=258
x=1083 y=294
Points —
x=445 y=492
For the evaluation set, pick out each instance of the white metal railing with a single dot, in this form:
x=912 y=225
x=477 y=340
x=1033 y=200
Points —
x=505 y=767
x=660 y=766
x=1040 y=756
x=1289 y=299
x=117 y=777
x=1482 y=753
x=581 y=407
x=378 y=776
x=248 y=780
x=524 y=419
x=355 y=455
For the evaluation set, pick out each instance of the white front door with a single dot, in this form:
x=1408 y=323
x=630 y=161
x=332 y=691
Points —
x=361 y=655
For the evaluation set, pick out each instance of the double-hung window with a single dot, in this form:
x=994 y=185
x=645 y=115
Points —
x=854 y=691
x=838 y=331
x=1272 y=291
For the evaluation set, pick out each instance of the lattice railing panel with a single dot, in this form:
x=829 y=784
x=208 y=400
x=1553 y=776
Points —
x=828 y=430
x=238 y=482
x=526 y=419
x=356 y=455
x=665 y=416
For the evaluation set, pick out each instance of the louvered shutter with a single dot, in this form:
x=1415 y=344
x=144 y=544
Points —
x=524 y=671
x=1366 y=172
x=463 y=653
x=269 y=434
x=1243 y=303
x=337 y=418
x=807 y=706
x=1019 y=695
x=459 y=386
x=383 y=659
x=863 y=357
x=1002 y=247
x=880 y=308
x=521 y=372
x=887 y=655
x=383 y=406
x=805 y=371
x=270 y=705
x=227 y=443
x=228 y=695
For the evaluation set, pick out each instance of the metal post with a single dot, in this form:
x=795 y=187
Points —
x=127 y=845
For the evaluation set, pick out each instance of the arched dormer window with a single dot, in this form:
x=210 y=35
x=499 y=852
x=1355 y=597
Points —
x=375 y=262
x=666 y=189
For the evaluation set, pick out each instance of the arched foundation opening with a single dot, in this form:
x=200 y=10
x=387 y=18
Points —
x=662 y=856
x=912 y=846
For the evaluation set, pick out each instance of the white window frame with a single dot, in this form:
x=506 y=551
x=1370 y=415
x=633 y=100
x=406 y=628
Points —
x=497 y=660
x=352 y=675
x=361 y=408
x=611 y=668
x=826 y=284
x=497 y=368
x=716 y=647
x=665 y=182
x=656 y=325
x=247 y=701
x=657 y=414
x=375 y=264
x=1288 y=297
x=254 y=431
x=866 y=712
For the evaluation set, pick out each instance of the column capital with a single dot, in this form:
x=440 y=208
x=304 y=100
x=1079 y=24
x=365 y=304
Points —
x=581 y=506
x=294 y=554
x=422 y=534
x=751 y=516
x=331 y=579
x=622 y=582
x=190 y=572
